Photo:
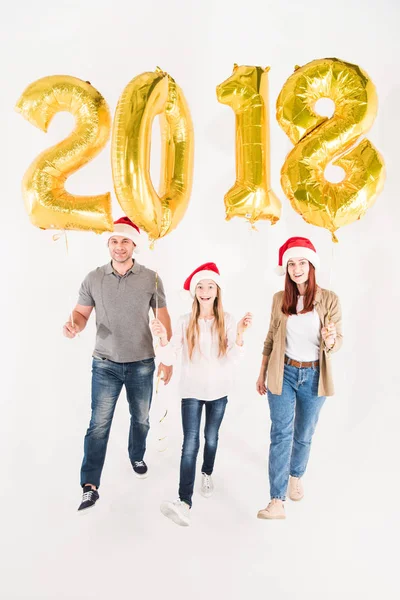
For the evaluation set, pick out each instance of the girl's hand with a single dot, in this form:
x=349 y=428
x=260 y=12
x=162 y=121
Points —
x=159 y=330
x=329 y=335
x=260 y=385
x=244 y=323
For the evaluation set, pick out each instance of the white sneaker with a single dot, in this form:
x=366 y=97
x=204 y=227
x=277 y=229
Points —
x=177 y=511
x=207 y=486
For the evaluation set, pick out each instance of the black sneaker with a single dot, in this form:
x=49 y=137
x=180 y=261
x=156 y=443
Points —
x=89 y=498
x=140 y=468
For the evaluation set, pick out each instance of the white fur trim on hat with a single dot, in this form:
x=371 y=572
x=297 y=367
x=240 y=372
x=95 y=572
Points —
x=298 y=252
x=203 y=275
x=126 y=231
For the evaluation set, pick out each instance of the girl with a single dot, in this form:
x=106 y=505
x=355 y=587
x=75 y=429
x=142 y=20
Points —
x=210 y=341
x=305 y=328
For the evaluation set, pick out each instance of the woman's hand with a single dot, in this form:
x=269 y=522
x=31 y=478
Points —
x=329 y=335
x=244 y=323
x=159 y=330
x=260 y=385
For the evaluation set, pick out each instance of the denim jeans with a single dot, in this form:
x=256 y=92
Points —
x=107 y=380
x=294 y=416
x=191 y=418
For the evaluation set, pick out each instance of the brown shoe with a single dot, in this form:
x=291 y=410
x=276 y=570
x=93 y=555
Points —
x=274 y=510
x=296 y=490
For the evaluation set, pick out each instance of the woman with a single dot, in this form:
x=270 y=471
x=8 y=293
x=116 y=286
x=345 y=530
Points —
x=305 y=328
x=210 y=341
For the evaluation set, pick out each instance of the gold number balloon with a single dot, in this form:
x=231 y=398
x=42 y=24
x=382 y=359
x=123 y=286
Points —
x=146 y=96
x=251 y=197
x=48 y=204
x=320 y=140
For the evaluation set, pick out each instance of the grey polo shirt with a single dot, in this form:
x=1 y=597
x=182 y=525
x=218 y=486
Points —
x=122 y=305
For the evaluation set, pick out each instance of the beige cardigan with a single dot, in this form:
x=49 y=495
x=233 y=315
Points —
x=327 y=305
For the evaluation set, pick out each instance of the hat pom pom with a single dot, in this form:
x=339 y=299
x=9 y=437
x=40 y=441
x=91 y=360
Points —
x=280 y=271
x=185 y=295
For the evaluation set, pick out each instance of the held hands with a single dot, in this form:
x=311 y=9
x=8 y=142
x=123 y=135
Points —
x=164 y=372
x=159 y=330
x=70 y=331
x=329 y=335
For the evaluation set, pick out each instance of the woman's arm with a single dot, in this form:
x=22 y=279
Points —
x=267 y=349
x=260 y=384
x=334 y=317
x=269 y=340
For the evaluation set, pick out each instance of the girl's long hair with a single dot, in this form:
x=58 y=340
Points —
x=218 y=326
x=291 y=294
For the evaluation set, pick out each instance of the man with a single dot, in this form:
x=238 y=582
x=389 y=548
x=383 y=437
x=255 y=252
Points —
x=122 y=293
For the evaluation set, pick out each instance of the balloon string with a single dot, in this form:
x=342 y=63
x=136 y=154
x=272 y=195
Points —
x=330 y=280
x=156 y=293
x=329 y=356
x=165 y=437
x=56 y=237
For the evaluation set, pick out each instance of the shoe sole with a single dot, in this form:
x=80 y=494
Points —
x=280 y=518
x=206 y=495
x=139 y=476
x=170 y=513
x=296 y=499
x=85 y=510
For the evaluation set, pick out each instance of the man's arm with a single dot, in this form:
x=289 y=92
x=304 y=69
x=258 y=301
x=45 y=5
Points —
x=80 y=317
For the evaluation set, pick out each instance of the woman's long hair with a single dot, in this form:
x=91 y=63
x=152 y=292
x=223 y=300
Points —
x=218 y=326
x=291 y=294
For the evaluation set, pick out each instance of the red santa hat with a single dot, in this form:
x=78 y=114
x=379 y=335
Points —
x=125 y=228
x=296 y=247
x=207 y=271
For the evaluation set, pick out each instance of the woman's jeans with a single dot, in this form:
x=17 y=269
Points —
x=191 y=417
x=294 y=416
x=107 y=380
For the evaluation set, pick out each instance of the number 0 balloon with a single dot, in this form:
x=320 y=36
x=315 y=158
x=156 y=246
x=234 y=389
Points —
x=145 y=97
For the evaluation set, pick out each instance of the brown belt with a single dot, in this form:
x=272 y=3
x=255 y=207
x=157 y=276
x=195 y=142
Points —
x=301 y=365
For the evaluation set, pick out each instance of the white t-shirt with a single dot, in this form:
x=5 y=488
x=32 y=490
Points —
x=206 y=376
x=303 y=335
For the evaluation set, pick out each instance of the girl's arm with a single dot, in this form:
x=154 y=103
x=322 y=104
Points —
x=235 y=346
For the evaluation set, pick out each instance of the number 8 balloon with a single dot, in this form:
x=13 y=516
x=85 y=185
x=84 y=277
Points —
x=320 y=140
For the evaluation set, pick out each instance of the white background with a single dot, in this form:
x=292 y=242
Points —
x=341 y=540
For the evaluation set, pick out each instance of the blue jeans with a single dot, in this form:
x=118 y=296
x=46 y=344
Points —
x=294 y=416
x=191 y=418
x=107 y=380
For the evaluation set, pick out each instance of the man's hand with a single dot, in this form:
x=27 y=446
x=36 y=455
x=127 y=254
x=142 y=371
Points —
x=70 y=331
x=158 y=329
x=165 y=373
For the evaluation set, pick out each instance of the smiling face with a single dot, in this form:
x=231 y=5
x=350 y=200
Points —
x=298 y=269
x=206 y=292
x=121 y=248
